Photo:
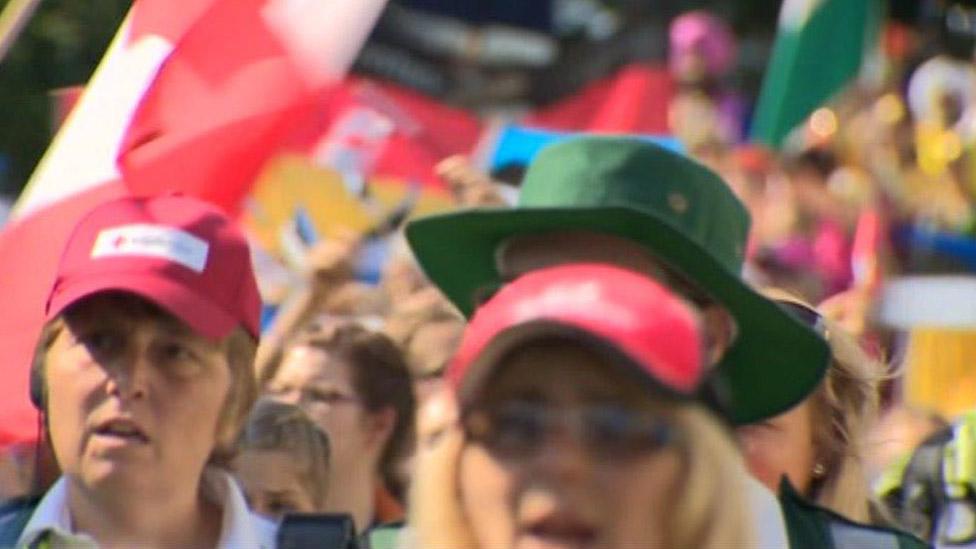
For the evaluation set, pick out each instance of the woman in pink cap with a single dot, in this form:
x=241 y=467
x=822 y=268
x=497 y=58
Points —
x=578 y=416
x=143 y=374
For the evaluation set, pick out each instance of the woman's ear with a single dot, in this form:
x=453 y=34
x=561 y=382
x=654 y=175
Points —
x=228 y=429
x=381 y=425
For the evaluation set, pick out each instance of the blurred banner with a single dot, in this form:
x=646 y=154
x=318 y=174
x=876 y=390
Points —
x=517 y=145
x=819 y=47
x=370 y=155
x=939 y=314
x=939 y=373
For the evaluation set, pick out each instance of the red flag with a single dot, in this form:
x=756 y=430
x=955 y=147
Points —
x=242 y=78
x=159 y=18
x=30 y=249
x=634 y=100
x=869 y=241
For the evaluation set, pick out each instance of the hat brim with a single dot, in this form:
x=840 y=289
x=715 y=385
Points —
x=774 y=363
x=195 y=310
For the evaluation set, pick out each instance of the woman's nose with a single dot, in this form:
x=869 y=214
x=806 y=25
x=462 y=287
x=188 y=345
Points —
x=129 y=377
x=563 y=456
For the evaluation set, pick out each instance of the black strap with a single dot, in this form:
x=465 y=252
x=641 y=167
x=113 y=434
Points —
x=14 y=516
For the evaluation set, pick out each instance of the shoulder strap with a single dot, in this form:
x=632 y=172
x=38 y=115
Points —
x=14 y=516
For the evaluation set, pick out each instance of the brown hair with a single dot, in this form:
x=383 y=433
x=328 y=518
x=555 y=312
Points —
x=380 y=378
x=239 y=348
x=275 y=425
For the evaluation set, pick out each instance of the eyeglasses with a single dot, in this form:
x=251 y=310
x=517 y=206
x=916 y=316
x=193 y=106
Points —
x=806 y=315
x=518 y=428
x=306 y=396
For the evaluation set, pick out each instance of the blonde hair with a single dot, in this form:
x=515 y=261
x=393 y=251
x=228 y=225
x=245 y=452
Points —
x=849 y=397
x=279 y=426
x=710 y=512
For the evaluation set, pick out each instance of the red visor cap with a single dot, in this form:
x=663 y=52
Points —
x=178 y=252
x=605 y=305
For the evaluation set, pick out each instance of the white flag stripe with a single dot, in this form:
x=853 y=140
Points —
x=308 y=30
x=795 y=13
x=83 y=152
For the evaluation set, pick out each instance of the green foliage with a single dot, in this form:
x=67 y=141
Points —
x=60 y=47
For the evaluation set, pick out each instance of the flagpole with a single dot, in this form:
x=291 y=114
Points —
x=12 y=22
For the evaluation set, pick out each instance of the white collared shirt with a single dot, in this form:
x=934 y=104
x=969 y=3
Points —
x=240 y=528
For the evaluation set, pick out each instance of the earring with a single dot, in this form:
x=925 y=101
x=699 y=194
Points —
x=819 y=470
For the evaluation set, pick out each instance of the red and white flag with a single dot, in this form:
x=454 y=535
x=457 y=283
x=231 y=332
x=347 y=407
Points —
x=245 y=76
x=77 y=171
x=189 y=98
x=83 y=153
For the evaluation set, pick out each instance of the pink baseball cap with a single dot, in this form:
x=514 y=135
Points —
x=178 y=252
x=595 y=304
x=703 y=33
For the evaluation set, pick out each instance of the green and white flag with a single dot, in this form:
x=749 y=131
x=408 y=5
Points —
x=819 y=47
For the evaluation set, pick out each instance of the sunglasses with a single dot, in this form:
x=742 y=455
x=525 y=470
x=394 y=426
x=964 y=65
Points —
x=806 y=315
x=518 y=429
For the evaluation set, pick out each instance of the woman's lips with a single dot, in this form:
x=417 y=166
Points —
x=122 y=429
x=556 y=531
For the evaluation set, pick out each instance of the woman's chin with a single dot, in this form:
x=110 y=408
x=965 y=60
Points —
x=124 y=476
x=545 y=541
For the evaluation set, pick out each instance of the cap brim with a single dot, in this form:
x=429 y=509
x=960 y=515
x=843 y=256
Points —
x=195 y=310
x=774 y=363
x=479 y=372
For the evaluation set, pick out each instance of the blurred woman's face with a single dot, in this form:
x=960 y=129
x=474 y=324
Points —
x=565 y=452
x=782 y=445
x=323 y=387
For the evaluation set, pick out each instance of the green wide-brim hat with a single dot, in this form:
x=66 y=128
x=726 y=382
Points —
x=680 y=211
